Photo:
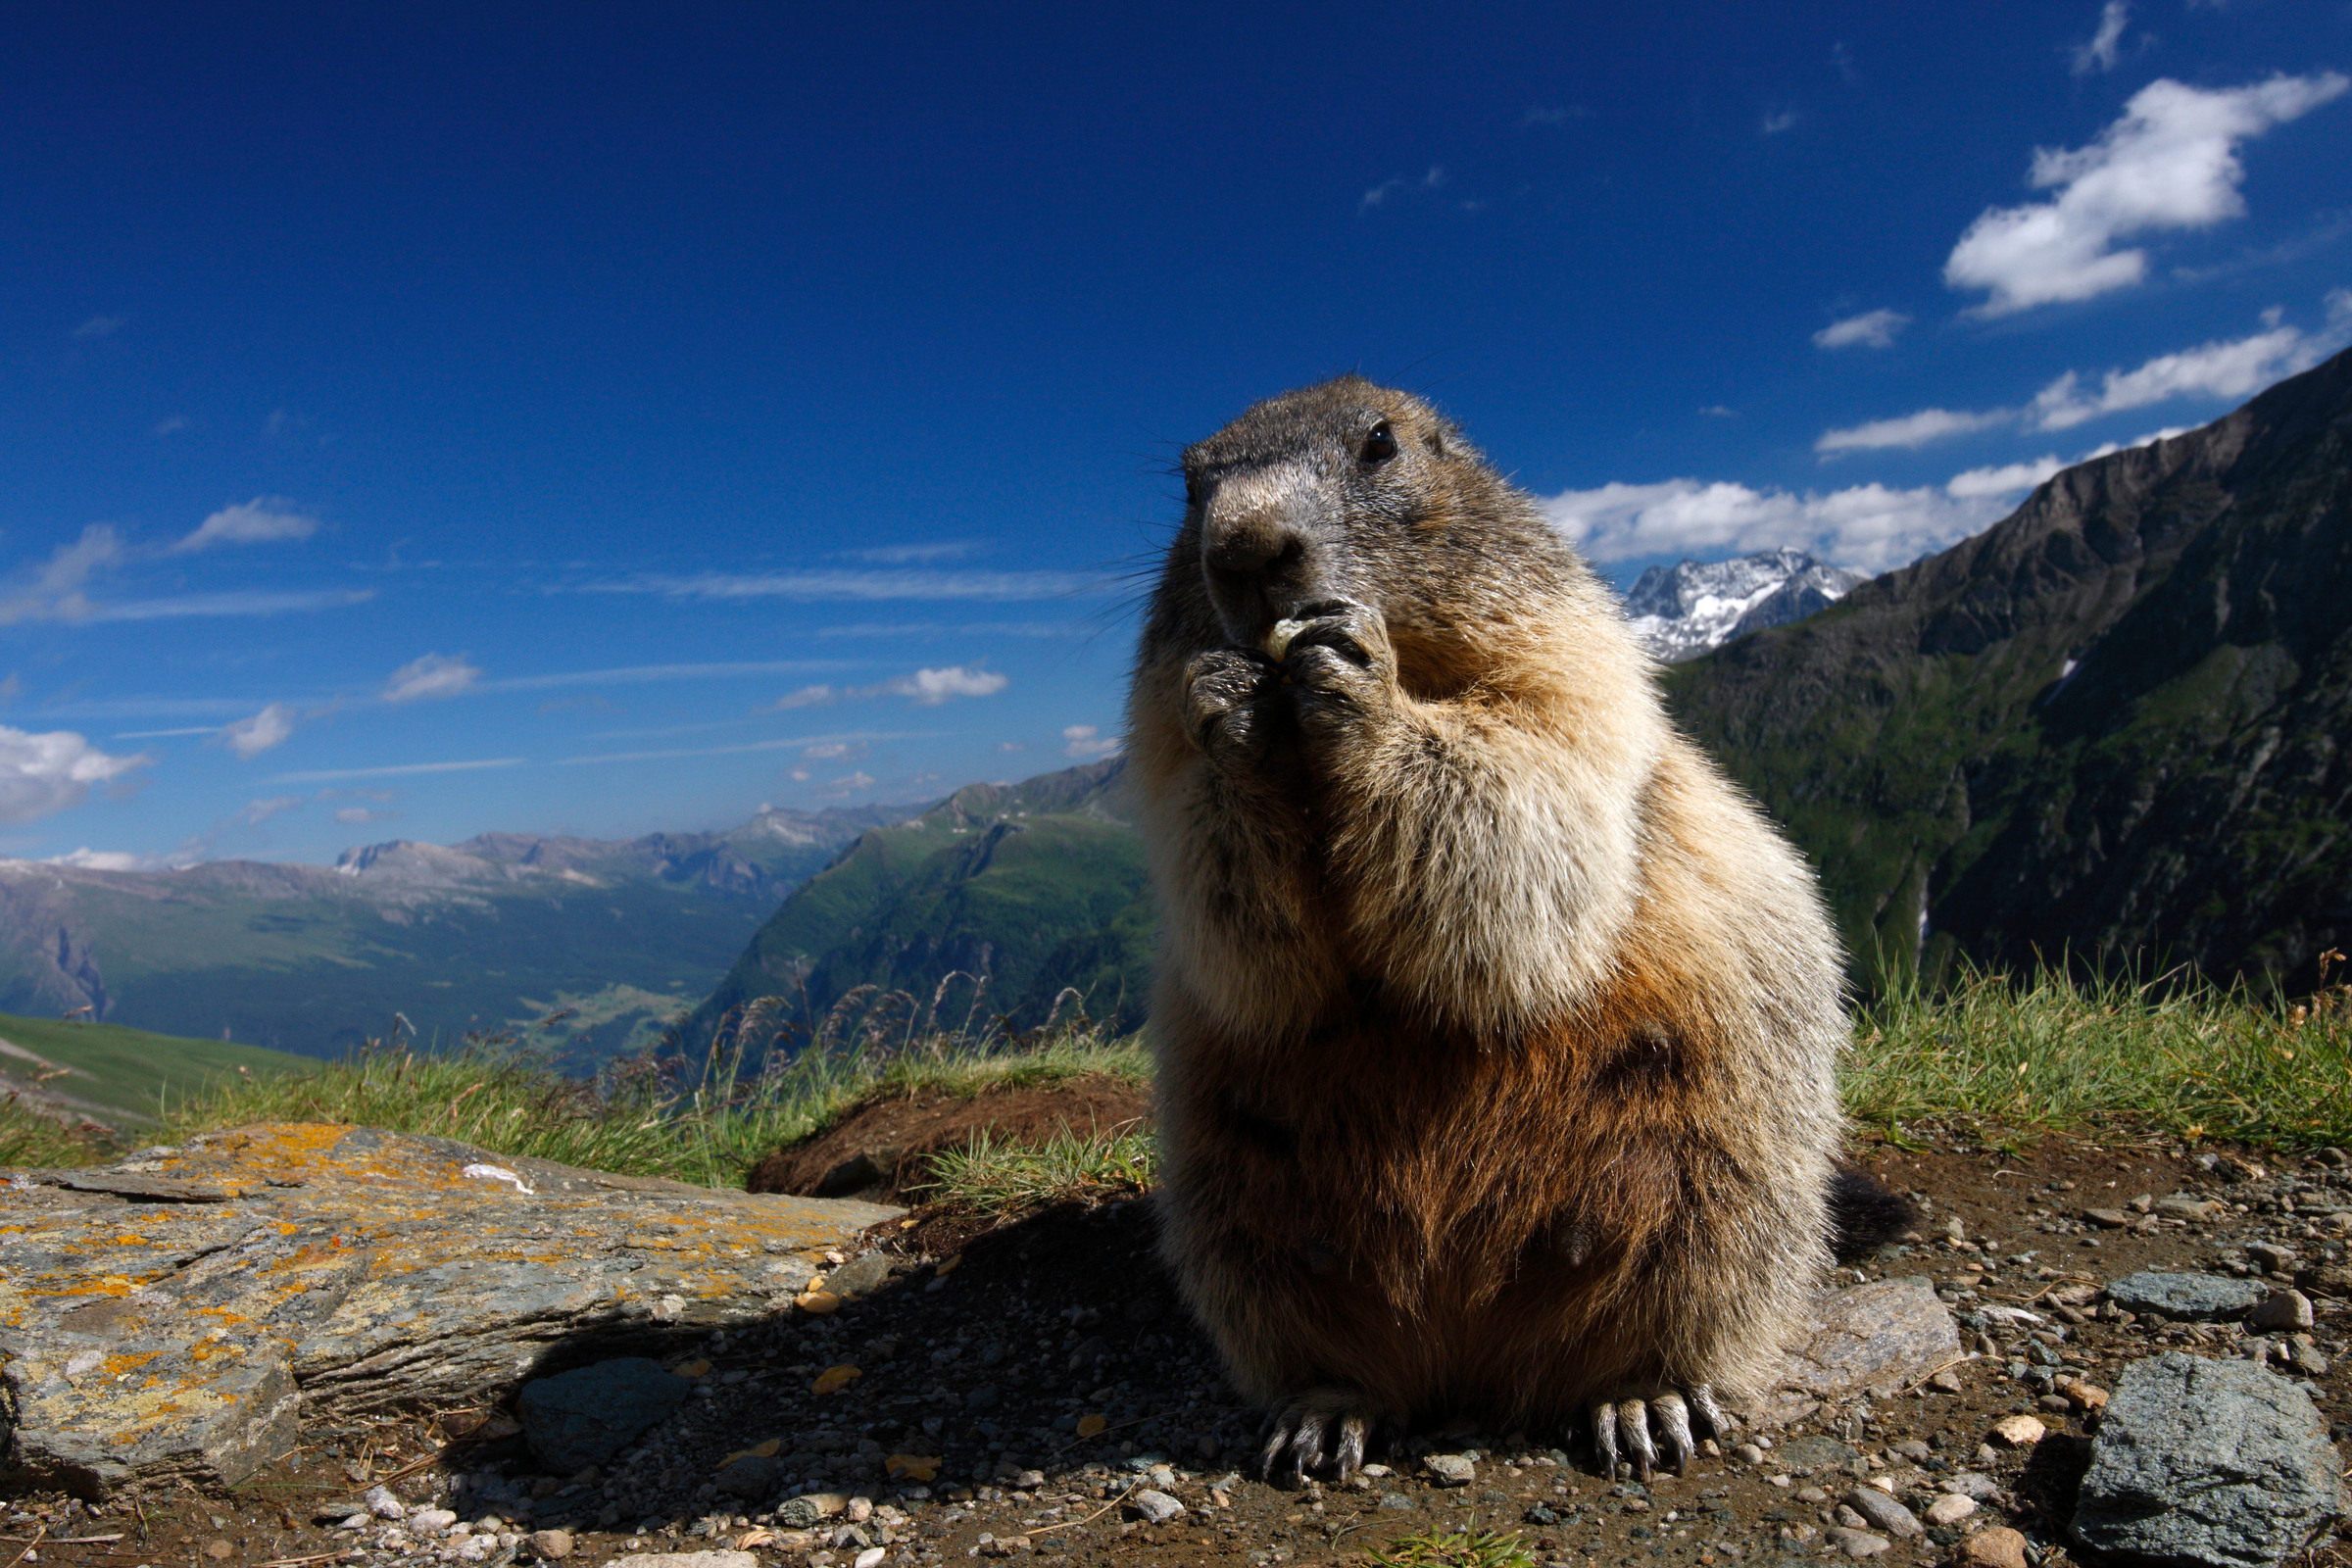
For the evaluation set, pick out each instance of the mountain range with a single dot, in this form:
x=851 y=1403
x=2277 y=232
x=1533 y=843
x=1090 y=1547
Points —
x=1692 y=607
x=2113 y=726
x=482 y=936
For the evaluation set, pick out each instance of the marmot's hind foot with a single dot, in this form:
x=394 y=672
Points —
x=1630 y=1420
x=1317 y=1426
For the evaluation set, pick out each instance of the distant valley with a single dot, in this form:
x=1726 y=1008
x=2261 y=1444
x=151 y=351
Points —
x=505 y=928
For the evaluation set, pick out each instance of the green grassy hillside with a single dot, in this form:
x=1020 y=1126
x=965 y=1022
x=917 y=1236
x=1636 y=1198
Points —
x=1036 y=886
x=115 y=1074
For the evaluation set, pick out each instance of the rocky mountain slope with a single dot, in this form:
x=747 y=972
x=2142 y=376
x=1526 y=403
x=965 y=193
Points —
x=1684 y=610
x=474 y=936
x=2114 y=724
x=1036 y=886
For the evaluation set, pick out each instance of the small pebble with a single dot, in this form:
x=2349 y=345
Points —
x=2019 y=1432
x=1451 y=1469
x=1951 y=1509
x=1998 y=1547
x=553 y=1544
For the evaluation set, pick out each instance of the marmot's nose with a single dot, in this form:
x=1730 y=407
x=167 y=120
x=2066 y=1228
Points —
x=1246 y=540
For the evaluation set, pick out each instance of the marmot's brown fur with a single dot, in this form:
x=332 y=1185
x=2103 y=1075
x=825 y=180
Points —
x=1495 y=1029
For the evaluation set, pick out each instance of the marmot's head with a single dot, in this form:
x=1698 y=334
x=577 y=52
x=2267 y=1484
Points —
x=1352 y=491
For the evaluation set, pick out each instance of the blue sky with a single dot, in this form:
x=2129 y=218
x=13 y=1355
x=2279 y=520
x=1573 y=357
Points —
x=417 y=420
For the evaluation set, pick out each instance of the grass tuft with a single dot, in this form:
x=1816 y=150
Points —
x=1002 y=1178
x=1460 y=1548
x=2195 y=1059
x=31 y=1136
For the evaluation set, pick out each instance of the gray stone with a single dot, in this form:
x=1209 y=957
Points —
x=1884 y=1512
x=1807 y=1454
x=2270 y=1256
x=1875 y=1338
x=685 y=1559
x=860 y=1276
x=1155 y=1507
x=587 y=1415
x=339 y=1271
x=2208 y=1462
x=1449 y=1469
x=2281 y=1310
x=2202 y=1298
x=749 y=1476
x=1396 y=1502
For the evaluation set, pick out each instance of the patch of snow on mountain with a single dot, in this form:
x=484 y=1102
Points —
x=1684 y=610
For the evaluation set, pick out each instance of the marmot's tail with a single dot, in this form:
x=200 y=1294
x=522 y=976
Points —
x=1865 y=1214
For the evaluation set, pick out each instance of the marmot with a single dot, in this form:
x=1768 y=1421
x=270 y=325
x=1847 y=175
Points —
x=1495 y=1029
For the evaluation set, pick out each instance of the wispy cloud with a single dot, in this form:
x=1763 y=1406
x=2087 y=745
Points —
x=238 y=602
x=1776 y=120
x=257 y=812
x=168 y=425
x=1088 y=744
x=102 y=327
x=55 y=589
x=2006 y=480
x=1871 y=329
x=850 y=585
x=647 y=674
x=40 y=774
x=329 y=775
x=432 y=675
x=908 y=554
x=1909 y=432
x=2232 y=368
x=748 y=748
x=250 y=736
x=359 y=815
x=2104 y=47
x=265 y=520
x=1553 y=114
x=1378 y=195
x=2229 y=369
x=806 y=697
x=2170 y=162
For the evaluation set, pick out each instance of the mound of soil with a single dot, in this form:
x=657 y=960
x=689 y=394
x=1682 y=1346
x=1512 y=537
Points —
x=879 y=1150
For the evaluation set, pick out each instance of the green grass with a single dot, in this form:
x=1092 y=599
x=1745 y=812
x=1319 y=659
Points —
x=2193 y=1060
x=31 y=1136
x=2012 y=1058
x=1460 y=1548
x=120 y=1074
x=1001 y=1178
x=704 y=1123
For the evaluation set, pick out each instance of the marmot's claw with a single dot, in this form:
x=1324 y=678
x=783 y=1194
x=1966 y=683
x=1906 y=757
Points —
x=1321 y=1427
x=1628 y=1421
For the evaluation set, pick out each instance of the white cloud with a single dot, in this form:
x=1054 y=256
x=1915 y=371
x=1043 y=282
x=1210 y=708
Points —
x=250 y=736
x=1010 y=745
x=169 y=424
x=2235 y=368
x=806 y=697
x=1911 y=431
x=1871 y=329
x=55 y=592
x=331 y=775
x=89 y=859
x=101 y=326
x=1088 y=744
x=906 y=554
x=265 y=520
x=2102 y=51
x=257 y=812
x=799 y=775
x=849 y=782
x=1380 y=193
x=2170 y=162
x=360 y=816
x=1870 y=526
x=236 y=603
x=44 y=773
x=1777 y=121
x=852 y=585
x=831 y=751
x=433 y=675
x=931 y=687
x=2005 y=480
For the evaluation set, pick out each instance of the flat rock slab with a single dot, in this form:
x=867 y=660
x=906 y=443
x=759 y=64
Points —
x=168 y=1319
x=1876 y=1339
x=2209 y=1463
x=2201 y=1297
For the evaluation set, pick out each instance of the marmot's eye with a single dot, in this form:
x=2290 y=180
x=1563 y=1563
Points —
x=1381 y=445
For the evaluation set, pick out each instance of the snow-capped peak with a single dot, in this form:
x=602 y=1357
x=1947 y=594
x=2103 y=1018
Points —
x=1684 y=610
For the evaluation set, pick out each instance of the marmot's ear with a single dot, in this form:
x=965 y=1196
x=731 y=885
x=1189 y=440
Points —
x=1441 y=432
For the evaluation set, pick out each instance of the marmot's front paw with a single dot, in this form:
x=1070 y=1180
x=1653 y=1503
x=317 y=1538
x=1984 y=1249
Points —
x=1319 y=1426
x=1340 y=665
x=1225 y=693
x=1630 y=1419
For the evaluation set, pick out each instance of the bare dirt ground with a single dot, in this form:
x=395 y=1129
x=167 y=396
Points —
x=1048 y=1369
x=879 y=1148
